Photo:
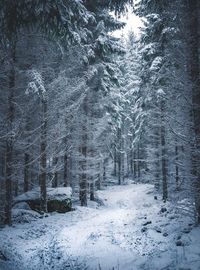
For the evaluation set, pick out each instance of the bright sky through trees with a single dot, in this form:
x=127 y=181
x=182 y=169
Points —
x=132 y=21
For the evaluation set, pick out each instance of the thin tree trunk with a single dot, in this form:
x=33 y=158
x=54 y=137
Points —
x=98 y=182
x=26 y=171
x=163 y=151
x=83 y=163
x=104 y=170
x=43 y=157
x=119 y=158
x=177 y=168
x=131 y=162
x=83 y=177
x=66 y=182
x=8 y=183
x=134 y=164
x=55 y=164
x=157 y=160
x=9 y=141
x=92 y=198
x=27 y=159
x=115 y=162
x=92 y=177
x=138 y=161
x=122 y=152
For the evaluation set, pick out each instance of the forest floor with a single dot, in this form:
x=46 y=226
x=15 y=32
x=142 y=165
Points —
x=128 y=230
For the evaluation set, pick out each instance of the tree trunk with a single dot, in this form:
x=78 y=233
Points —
x=122 y=152
x=177 y=168
x=131 y=161
x=27 y=158
x=55 y=164
x=138 y=161
x=26 y=171
x=83 y=177
x=115 y=162
x=119 y=158
x=92 y=191
x=104 y=170
x=43 y=157
x=157 y=160
x=83 y=162
x=66 y=182
x=134 y=164
x=8 y=183
x=163 y=151
x=9 y=140
x=195 y=79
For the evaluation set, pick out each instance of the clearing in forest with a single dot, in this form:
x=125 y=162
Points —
x=128 y=230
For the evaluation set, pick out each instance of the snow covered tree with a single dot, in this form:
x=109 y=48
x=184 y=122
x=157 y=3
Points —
x=53 y=19
x=165 y=71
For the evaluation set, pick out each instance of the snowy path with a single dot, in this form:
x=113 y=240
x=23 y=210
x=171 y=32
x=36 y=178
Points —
x=113 y=235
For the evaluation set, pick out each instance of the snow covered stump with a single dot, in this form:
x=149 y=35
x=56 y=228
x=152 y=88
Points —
x=58 y=199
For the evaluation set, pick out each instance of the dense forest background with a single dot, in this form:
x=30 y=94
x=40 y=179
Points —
x=79 y=105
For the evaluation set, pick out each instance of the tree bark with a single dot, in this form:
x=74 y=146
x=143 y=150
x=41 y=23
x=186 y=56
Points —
x=138 y=161
x=92 y=198
x=163 y=151
x=83 y=177
x=66 y=182
x=177 y=168
x=193 y=19
x=119 y=158
x=55 y=164
x=43 y=157
x=83 y=163
x=10 y=139
x=157 y=159
x=26 y=171
x=115 y=161
x=134 y=164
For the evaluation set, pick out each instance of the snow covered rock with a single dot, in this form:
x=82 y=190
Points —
x=58 y=199
x=22 y=205
x=24 y=216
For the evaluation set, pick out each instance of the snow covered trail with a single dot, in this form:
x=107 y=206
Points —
x=128 y=232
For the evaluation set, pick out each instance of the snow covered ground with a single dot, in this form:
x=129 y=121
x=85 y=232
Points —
x=130 y=230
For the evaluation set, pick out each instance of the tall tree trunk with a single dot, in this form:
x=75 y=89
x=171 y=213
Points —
x=119 y=158
x=92 y=198
x=138 y=161
x=193 y=19
x=157 y=159
x=134 y=164
x=66 y=182
x=9 y=140
x=92 y=177
x=131 y=161
x=104 y=170
x=43 y=157
x=26 y=171
x=83 y=167
x=8 y=182
x=83 y=163
x=27 y=159
x=55 y=164
x=98 y=182
x=115 y=161
x=163 y=151
x=122 y=151
x=177 y=167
